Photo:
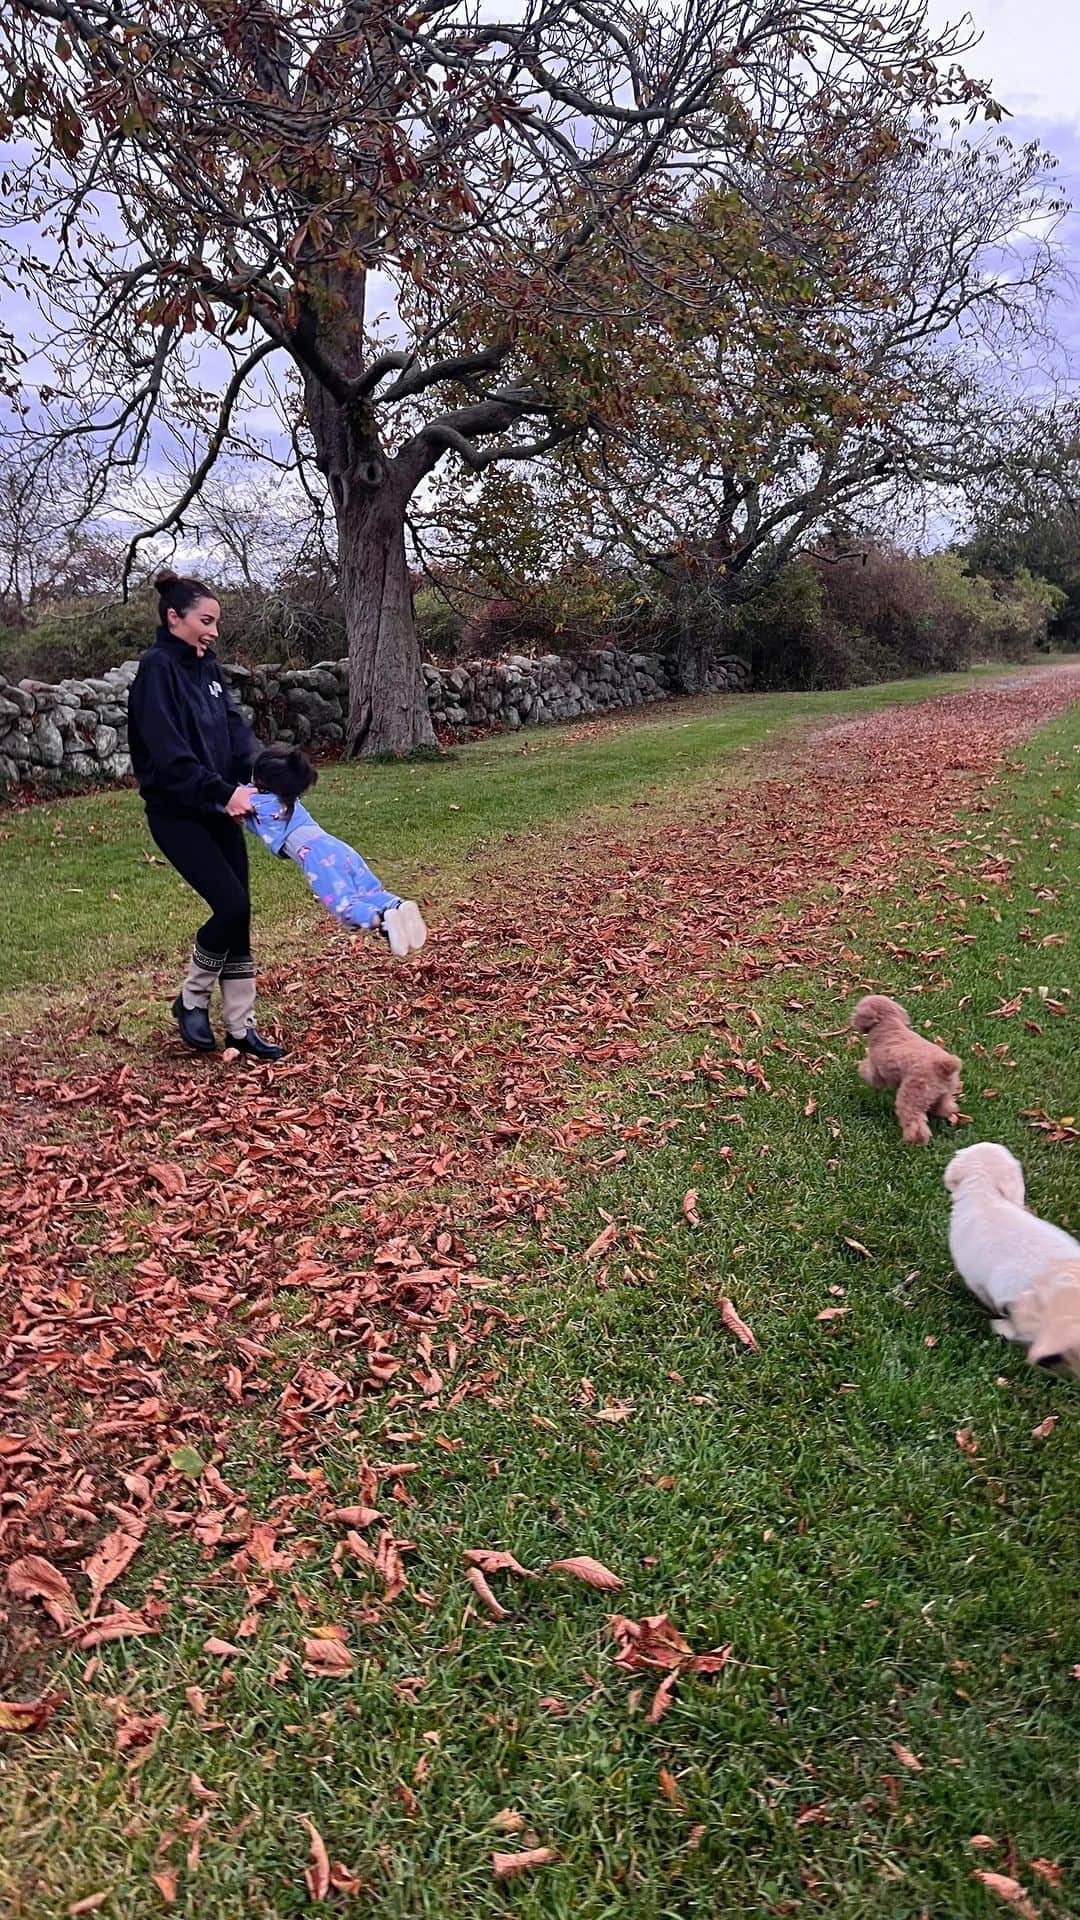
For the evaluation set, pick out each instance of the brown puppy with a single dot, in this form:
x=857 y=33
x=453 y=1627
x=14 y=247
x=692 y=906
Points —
x=927 y=1078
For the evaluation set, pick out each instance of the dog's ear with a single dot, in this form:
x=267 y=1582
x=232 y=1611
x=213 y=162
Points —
x=954 y=1173
x=1057 y=1338
x=1008 y=1178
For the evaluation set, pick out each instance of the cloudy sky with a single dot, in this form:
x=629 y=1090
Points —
x=1030 y=50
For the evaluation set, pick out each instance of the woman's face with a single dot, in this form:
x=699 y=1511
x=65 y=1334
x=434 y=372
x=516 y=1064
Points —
x=198 y=626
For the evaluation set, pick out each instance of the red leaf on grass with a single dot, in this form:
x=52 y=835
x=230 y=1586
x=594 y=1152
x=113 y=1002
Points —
x=906 y=1757
x=326 y=1655
x=356 y=1516
x=110 y=1559
x=689 y=1207
x=121 y=1624
x=505 y=1865
x=317 y=1875
x=169 y=1176
x=603 y=1243
x=483 y=1592
x=1008 y=1890
x=33 y=1578
x=1047 y=1870
x=493 y=1560
x=735 y=1324
x=26 y=1716
x=591 y=1571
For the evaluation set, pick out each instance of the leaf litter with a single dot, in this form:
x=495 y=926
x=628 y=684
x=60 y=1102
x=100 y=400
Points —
x=154 y=1219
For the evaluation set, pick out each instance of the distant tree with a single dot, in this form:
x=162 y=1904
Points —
x=1025 y=505
x=828 y=419
x=47 y=552
x=523 y=193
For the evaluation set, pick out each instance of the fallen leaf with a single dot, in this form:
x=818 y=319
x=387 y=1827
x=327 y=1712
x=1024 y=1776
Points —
x=1047 y=1870
x=165 y=1882
x=736 y=1325
x=33 y=1578
x=689 y=1207
x=965 y=1442
x=89 y=1904
x=857 y=1247
x=833 y=1313
x=662 y=1698
x=326 y=1657
x=669 y=1788
x=26 y=1716
x=982 y=1841
x=507 y=1821
x=504 y=1865
x=121 y=1624
x=483 y=1592
x=223 y=1649
x=110 y=1559
x=1045 y=1427
x=317 y=1875
x=906 y=1757
x=603 y=1243
x=1007 y=1889
x=188 y=1461
x=492 y=1560
x=168 y=1176
x=592 y=1572
x=356 y=1516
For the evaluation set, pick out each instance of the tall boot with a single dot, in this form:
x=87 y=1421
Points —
x=238 y=1002
x=192 y=1003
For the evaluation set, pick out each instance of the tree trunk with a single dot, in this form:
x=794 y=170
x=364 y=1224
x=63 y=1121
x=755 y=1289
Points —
x=388 y=709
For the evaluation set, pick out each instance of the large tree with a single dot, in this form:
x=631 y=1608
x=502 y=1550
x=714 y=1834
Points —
x=1024 y=500
x=259 y=176
x=822 y=417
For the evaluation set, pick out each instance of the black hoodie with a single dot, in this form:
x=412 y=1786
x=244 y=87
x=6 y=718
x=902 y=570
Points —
x=190 y=746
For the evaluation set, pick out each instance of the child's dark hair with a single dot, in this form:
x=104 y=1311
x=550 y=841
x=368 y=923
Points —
x=286 y=772
x=178 y=593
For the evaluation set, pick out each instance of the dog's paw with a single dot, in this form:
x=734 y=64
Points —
x=917 y=1133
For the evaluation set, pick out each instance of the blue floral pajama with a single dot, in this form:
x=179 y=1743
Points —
x=334 y=871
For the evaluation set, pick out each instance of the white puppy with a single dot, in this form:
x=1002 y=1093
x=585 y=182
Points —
x=1025 y=1270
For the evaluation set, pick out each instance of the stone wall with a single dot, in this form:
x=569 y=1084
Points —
x=77 y=730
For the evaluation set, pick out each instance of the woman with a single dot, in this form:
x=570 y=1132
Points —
x=192 y=753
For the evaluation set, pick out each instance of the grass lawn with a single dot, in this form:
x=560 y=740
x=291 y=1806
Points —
x=861 y=1509
x=86 y=892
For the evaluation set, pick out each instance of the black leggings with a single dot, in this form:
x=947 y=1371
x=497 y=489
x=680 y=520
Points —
x=210 y=853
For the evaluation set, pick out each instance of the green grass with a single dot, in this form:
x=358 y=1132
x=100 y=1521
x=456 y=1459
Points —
x=86 y=892
x=808 y=1504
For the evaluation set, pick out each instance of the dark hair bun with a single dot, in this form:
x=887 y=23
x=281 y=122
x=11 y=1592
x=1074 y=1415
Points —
x=165 y=578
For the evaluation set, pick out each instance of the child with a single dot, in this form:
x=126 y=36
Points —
x=344 y=884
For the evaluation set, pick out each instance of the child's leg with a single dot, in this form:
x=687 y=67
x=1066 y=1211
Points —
x=367 y=898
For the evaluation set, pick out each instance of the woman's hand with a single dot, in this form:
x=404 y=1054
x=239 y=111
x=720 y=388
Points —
x=238 y=806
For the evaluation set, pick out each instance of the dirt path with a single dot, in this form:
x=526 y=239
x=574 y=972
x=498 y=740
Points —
x=158 y=1213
